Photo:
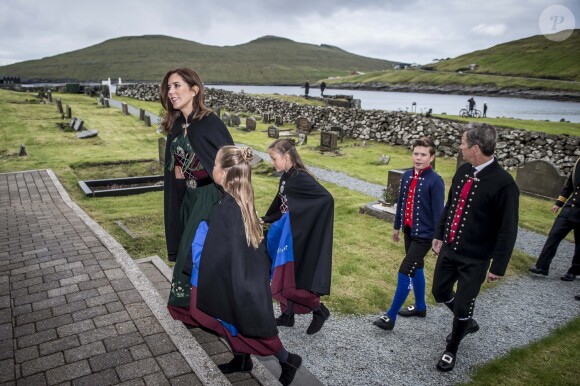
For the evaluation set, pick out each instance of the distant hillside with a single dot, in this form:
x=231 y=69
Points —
x=536 y=57
x=267 y=60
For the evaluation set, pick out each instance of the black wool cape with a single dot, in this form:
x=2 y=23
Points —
x=234 y=278
x=206 y=136
x=311 y=209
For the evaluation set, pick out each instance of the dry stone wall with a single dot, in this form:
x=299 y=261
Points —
x=515 y=147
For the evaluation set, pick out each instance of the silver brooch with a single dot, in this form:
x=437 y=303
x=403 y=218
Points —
x=191 y=183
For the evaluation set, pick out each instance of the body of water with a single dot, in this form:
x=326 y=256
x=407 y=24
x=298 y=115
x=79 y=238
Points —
x=440 y=103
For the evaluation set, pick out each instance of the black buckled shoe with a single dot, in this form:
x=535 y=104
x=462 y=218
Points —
x=568 y=277
x=289 y=369
x=384 y=322
x=285 y=320
x=538 y=271
x=318 y=319
x=242 y=363
x=412 y=311
x=447 y=362
x=473 y=328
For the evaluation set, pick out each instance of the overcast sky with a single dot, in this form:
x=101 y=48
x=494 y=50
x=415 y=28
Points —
x=403 y=30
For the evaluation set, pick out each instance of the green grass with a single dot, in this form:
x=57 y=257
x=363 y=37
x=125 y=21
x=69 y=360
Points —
x=557 y=128
x=550 y=361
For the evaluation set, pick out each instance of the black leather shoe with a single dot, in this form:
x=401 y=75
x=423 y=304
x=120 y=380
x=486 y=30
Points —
x=412 y=311
x=289 y=369
x=568 y=277
x=285 y=320
x=473 y=328
x=538 y=271
x=384 y=322
x=242 y=363
x=447 y=362
x=318 y=319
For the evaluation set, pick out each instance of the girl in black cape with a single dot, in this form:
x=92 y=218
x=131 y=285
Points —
x=300 y=239
x=194 y=135
x=230 y=292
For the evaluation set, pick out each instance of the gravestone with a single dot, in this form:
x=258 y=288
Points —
x=394 y=179
x=338 y=130
x=266 y=118
x=384 y=159
x=235 y=120
x=106 y=103
x=22 y=152
x=255 y=160
x=49 y=94
x=540 y=178
x=273 y=132
x=125 y=108
x=87 y=134
x=278 y=120
x=141 y=114
x=72 y=123
x=226 y=119
x=68 y=112
x=303 y=125
x=250 y=124
x=328 y=140
x=147 y=120
x=161 y=143
x=59 y=106
x=78 y=125
x=302 y=139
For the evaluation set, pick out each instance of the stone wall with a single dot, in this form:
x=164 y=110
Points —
x=515 y=147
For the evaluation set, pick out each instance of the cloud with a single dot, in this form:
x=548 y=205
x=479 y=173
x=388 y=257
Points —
x=490 y=30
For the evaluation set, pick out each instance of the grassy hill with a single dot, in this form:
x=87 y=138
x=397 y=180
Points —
x=535 y=57
x=267 y=60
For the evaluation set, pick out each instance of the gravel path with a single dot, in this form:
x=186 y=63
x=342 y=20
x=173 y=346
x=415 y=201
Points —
x=350 y=350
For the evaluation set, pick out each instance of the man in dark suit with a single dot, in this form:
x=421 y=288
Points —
x=478 y=227
x=567 y=220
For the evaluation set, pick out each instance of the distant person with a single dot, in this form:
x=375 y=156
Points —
x=306 y=89
x=485 y=109
x=471 y=102
x=322 y=87
x=194 y=135
x=299 y=239
x=479 y=226
x=419 y=208
x=567 y=220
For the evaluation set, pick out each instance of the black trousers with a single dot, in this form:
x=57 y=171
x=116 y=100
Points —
x=468 y=273
x=560 y=229
x=415 y=250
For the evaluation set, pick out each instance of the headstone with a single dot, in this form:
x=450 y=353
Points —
x=49 y=94
x=384 y=159
x=266 y=118
x=161 y=143
x=278 y=120
x=338 y=130
x=59 y=106
x=68 y=112
x=250 y=124
x=394 y=179
x=273 y=132
x=302 y=139
x=72 y=123
x=22 y=152
x=141 y=114
x=540 y=178
x=125 y=108
x=87 y=134
x=78 y=125
x=235 y=120
x=226 y=119
x=106 y=103
x=303 y=125
x=147 y=120
x=328 y=140
x=255 y=160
